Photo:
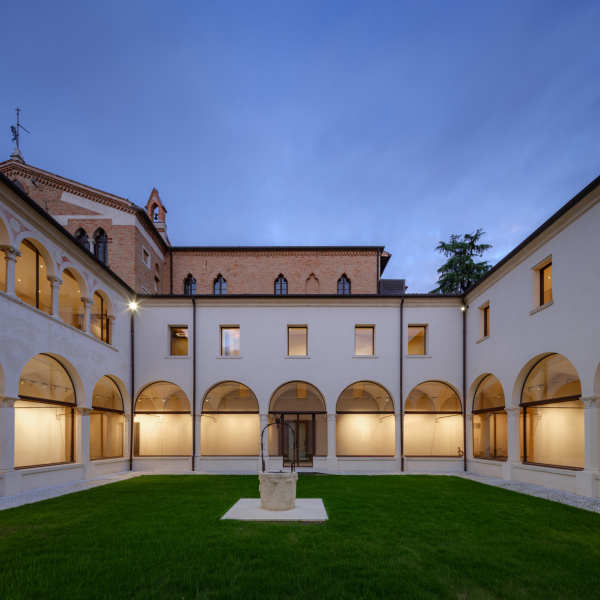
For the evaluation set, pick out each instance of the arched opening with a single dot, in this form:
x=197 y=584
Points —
x=302 y=406
x=101 y=245
x=106 y=421
x=281 y=286
x=82 y=238
x=343 y=285
x=552 y=423
x=31 y=278
x=433 y=421
x=230 y=424
x=490 y=428
x=162 y=422
x=154 y=212
x=44 y=415
x=99 y=321
x=189 y=285
x=70 y=308
x=220 y=286
x=365 y=421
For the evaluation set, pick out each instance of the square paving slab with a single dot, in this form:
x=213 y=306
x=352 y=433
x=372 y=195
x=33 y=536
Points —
x=309 y=510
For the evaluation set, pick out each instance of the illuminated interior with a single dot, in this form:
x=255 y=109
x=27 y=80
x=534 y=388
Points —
x=70 y=308
x=490 y=428
x=301 y=406
x=230 y=424
x=106 y=421
x=433 y=422
x=31 y=278
x=162 y=422
x=297 y=341
x=364 y=341
x=416 y=340
x=44 y=414
x=553 y=415
x=365 y=424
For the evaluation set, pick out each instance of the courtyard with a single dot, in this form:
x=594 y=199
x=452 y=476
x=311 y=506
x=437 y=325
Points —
x=412 y=536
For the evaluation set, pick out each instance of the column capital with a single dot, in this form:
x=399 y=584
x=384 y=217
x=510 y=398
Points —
x=470 y=416
x=7 y=402
x=82 y=410
x=54 y=280
x=512 y=410
x=591 y=401
x=331 y=417
x=111 y=317
x=87 y=301
x=10 y=252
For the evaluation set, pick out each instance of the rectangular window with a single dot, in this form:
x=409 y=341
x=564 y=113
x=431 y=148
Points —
x=416 y=340
x=230 y=341
x=364 y=340
x=484 y=320
x=297 y=340
x=179 y=341
x=146 y=257
x=546 y=284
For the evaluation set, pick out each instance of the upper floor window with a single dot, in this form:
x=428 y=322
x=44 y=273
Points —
x=101 y=246
x=32 y=285
x=220 y=286
x=230 y=340
x=484 y=321
x=99 y=320
x=546 y=284
x=416 y=340
x=281 y=287
x=297 y=340
x=82 y=238
x=343 y=286
x=364 y=340
x=179 y=341
x=189 y=285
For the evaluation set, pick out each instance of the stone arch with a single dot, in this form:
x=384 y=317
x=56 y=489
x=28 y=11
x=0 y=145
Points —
x=515 y=398
x=473 y=388
x=4 y=234
x=44 y=253
x=127 y=407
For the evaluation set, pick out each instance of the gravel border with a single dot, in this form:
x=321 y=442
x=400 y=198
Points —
x=589 y=504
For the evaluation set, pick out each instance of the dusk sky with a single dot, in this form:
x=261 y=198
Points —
x=308 y=122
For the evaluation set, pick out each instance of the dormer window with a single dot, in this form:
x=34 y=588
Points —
x=281 y=286
x=343 y=286
x=220 y=286
x=189 y=285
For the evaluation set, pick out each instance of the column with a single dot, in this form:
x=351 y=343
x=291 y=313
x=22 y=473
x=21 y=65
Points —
x=110 y=319
x=198 y=432
x=127 y=427
x=469 y=440
x=398 y=422
x=332 y=462
x=55 y=283
x=87 y=305
x=82 y=441
x=10 y=256
x=513 y=441
x=592 y=430
x=11 y=479
x=264 y=421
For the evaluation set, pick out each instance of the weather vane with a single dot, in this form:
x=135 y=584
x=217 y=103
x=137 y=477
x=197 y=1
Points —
x=15 y=130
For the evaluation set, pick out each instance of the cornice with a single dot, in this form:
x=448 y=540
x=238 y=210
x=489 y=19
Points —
x=267 y=252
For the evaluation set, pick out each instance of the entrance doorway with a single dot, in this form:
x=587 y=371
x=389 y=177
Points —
x=301 y=444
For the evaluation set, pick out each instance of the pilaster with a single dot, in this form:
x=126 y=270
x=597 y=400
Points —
x=198 y=433
x=398 y=448
x=332 y=462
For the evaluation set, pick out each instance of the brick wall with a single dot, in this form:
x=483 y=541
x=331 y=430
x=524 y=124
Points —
x=254 y=272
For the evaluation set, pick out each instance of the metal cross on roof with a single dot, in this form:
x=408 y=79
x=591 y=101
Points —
x=15 y=130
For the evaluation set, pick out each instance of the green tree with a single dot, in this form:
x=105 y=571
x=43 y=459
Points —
x=460 y=271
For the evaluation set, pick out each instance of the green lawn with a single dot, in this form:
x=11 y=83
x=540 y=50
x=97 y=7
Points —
x=387 y=537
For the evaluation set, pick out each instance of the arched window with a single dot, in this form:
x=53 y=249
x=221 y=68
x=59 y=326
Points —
x=230 y=423
x=99 y=321
x=553 y=415
x=101 y=246
x=281 y=285
x=433 y=422
x=189 y=285
x=44 y=416
x=162 y=422
x=302 y=406
x=220 y=285
x=82 y=238
x=490 y=437
x=343 y=286
x=31 y=278
x=70 y=308
x=155 y=213
x=365 y=424
x=106 y=421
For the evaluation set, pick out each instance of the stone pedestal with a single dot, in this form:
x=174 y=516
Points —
x=277 y=490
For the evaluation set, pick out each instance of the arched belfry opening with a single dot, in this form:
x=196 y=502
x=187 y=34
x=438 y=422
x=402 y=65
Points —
x=157 y=213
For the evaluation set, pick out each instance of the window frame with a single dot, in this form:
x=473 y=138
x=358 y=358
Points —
x=372 y=328
x=305 y=327
x=219 y=283
x=344 y=286
x=221 y=347
x=172 y=329
x=425 y=328
x=281 y=286
x=189 y=285
x=538 y=272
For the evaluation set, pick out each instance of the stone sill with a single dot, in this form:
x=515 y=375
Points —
x=542 y=307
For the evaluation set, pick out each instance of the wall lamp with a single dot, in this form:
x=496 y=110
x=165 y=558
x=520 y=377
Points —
x=133 y=305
